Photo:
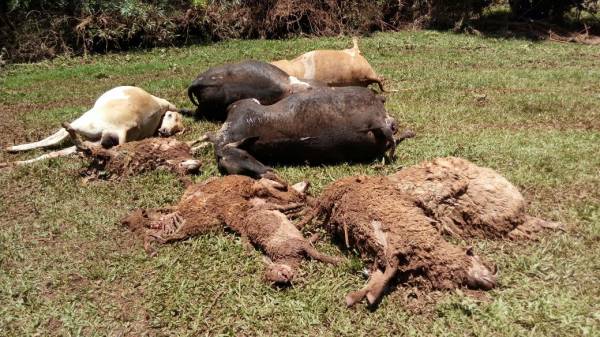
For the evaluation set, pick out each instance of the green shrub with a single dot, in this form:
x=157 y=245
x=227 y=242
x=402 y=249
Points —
x=549 y=9
x=47 y=28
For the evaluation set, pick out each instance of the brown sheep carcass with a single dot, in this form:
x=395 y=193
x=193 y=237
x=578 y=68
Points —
x=255 y=209
x=396 y=223
x=467 y=200
x=133 y=158
x=136 y=157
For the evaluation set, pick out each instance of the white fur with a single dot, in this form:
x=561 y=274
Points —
x=115 y=113
x=294 y=80
x=113 y=94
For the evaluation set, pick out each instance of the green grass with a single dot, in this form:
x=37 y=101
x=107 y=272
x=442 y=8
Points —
x=529 y=110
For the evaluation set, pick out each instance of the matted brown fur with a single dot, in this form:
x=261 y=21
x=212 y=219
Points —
x=254 y=209
x=368 y=214
x=467 y=200
x=140 y=156
x=396 y=222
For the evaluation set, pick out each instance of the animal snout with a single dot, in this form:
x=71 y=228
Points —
x=164 y=132
x=479 y=276
x=191 y=165
x=279 y=274
x=391 y=123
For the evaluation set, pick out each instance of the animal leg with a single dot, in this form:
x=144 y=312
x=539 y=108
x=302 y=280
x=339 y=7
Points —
x=53 y=140
x=203 y=139
x=376 y=290
x=196 y=149
x=389 y=136
x=201 y=143
x=314 y=254
x=375 y=287
x=532 y=227
x=357 y=296
x=76 y=138
x=289 y=208
x=54 y=154
x=313 y=213
x=355 y=44
x=406 y=134
x=379 y=84
x=180 y=229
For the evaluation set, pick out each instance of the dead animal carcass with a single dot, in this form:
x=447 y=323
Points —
x=396 y=222
x=136 y=157
x=467 y=200
x=255 y=209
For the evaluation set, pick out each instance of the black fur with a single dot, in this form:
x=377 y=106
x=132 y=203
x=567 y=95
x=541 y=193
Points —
x=328 y=125
x=215 y=89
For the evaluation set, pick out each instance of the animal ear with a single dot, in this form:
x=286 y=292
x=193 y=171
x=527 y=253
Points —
x=243 y=143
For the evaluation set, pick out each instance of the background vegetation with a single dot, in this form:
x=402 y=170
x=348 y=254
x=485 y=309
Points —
x=36 y=29
x=529 y=110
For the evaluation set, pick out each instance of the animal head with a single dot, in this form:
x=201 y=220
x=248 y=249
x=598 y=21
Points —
x=172 y=123
x=479 y=276
x=232 y=158
x=390 y=122
x=186 y=166
x=279 y=274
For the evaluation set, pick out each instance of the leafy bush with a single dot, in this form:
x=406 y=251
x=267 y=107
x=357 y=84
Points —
x=47 y=28
x=281 y=18
x=549 y=9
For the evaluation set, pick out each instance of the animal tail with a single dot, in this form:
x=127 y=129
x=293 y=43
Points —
x=186 y=112
x=55 y=139
x=192 y=92
x=355 y=44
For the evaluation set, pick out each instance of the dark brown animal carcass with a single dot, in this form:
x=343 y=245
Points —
x=136 y=157
x=329 y=125
x=140 y=156
x=218 y=87
x=255 y=209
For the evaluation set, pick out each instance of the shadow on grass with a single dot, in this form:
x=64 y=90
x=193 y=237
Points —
x=501 y=23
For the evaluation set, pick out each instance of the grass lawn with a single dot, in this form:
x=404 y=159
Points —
x=529 y=110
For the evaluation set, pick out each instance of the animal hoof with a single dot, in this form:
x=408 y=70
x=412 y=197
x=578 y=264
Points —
x=354 y=297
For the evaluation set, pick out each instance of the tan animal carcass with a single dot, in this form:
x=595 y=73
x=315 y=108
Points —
x=336 y=68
